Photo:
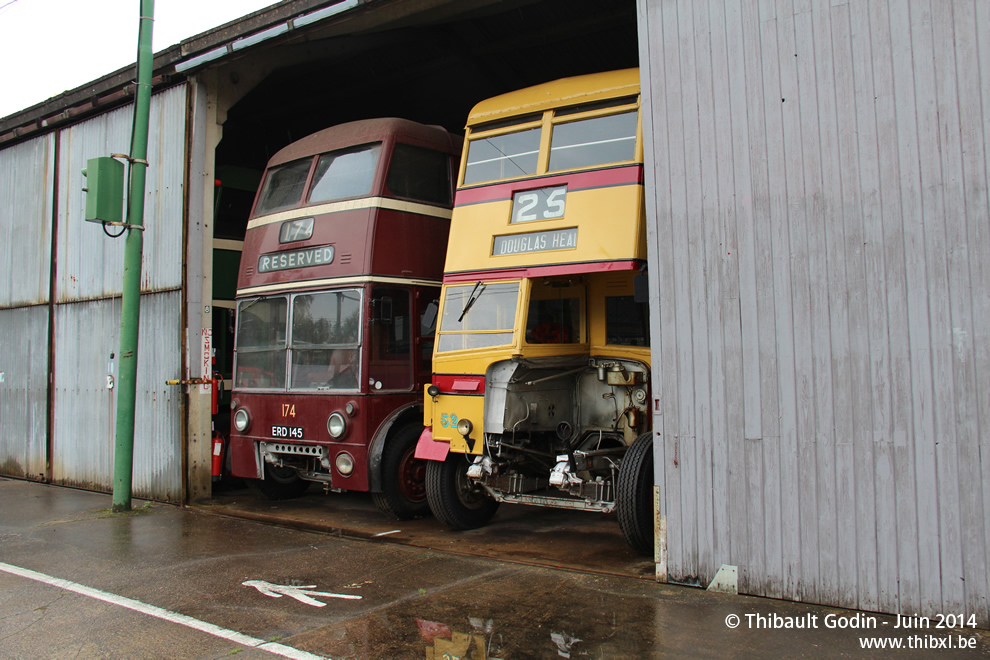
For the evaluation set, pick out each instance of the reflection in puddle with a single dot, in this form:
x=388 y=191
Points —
x=564 y=643
x=482 y=643
x=444 y=644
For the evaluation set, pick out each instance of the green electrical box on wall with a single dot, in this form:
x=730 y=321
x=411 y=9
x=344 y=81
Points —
x=104 y=190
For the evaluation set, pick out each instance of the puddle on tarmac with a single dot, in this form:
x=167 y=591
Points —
x=480 y=640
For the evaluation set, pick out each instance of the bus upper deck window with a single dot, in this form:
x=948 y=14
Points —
x=594 y=141
x=284 y=186
x=502 y=156
x=342 y=174
x=420 y=174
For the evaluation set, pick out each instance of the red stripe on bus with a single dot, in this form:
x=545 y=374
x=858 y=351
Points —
x=459 y=384
x=616 y=176
x=543 y=271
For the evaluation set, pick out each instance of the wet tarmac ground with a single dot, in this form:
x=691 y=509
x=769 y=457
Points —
x=210 y=582
x=555 y=538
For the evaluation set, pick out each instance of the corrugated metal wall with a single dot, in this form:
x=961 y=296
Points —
x=88 y=283
x=90 y=265
x=26 y=179
x=89 y=269
x=86 y=334
x=821 y=256
x=23 y=391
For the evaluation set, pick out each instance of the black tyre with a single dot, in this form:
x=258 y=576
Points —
x=634 y=495
x=403 y=477
x=454 y=500
x=280 y=483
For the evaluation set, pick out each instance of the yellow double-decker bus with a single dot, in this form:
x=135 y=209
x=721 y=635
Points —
x=541 y=369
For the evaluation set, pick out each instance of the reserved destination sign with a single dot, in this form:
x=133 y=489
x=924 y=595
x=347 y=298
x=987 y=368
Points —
x=540 y=241
x=316 y=256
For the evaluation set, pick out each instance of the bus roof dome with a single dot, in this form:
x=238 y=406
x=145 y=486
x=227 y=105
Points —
x=367 y=130
x=566 y=91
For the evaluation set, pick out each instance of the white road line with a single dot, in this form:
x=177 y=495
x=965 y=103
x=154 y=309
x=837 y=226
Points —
x=157 y=612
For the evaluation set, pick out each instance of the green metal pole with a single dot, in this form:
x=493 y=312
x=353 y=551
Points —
x=123 y=465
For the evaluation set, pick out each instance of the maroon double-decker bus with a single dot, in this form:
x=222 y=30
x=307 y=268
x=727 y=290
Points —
x=336 y=312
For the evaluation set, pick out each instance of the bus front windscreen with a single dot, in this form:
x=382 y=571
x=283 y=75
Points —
x=479 y=315
x=317 y=335
x=325 y=344
x=260 y=343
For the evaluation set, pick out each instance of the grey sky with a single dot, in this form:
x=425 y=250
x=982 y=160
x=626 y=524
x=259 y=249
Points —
x=49 y=46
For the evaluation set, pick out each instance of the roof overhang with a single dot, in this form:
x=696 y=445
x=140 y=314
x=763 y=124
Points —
x=285 y=21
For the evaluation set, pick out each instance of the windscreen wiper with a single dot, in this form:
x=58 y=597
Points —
x=472 y=299
x=252 y=303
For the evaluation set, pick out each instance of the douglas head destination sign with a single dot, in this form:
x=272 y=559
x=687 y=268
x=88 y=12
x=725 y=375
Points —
x=540 y=241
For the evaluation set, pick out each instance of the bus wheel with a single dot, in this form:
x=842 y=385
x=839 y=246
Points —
x=280 y=483
x=454 y=500
x=403 y=477
x=634 y=495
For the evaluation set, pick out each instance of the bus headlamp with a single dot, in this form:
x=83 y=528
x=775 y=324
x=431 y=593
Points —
x=433 y=391
x=336 y=425
x=464 y=427
x=241 y=420
x=345 y=463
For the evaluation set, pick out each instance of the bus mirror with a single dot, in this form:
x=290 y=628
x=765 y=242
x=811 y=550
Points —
x=641 y=288
x=428 y=321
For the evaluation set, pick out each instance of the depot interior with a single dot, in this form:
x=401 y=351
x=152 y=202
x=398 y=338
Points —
x=429 y=65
